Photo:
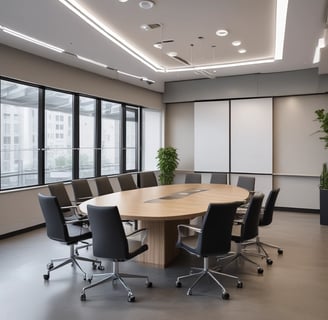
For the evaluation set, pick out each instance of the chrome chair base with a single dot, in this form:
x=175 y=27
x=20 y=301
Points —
x=113 y=276
x=206 y=271
x=73 y=259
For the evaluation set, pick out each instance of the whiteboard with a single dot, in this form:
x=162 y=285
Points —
x=251 y=135
x=211 y=136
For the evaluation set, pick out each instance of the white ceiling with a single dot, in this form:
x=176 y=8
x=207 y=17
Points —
x=191 y=24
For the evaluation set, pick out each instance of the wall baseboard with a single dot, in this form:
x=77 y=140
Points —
x=21 y=231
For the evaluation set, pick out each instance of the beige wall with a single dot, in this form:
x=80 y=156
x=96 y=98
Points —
x=22 y=66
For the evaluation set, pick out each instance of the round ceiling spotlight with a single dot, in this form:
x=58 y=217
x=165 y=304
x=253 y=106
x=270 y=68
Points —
x=242 y=50
x=146 y=4
x=236 y=43
x=222 y=32
x=172 y=54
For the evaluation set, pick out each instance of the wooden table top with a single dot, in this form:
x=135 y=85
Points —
x=168 y=202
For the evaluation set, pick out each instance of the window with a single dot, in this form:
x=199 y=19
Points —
x=48 y=136
x=152 y=137
x=19 y=127
x=130 y=147
x=87 y=137
x=58 y=136
x=111 y=124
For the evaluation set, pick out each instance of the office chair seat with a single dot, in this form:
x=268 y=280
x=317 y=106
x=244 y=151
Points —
x=111 y=242
x=64 y=232
x=213 y=238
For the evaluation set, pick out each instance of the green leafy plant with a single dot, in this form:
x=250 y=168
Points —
x=324 y=177
x=167 y=162
x=322 y=117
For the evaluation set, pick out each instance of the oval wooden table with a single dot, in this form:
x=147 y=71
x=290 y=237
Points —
x=160 y=209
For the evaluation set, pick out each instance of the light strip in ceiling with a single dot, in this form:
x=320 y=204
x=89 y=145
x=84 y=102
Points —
x=281 y=16
x=30 y=39
x=108 y=33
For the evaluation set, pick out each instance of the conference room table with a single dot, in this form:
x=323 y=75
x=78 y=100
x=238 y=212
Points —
x=160 y=209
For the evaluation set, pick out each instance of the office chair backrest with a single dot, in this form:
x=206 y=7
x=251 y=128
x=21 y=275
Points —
x=59 y=191
x=250 y=224
x=217 y=225
x=126 y=182
x=81 y=190
x=193 y=178
x=55 y=222
x=247 y=183
x=108 y=236
x=103 y=186
x=220 y=178
x=267 y=215
x=147 y=179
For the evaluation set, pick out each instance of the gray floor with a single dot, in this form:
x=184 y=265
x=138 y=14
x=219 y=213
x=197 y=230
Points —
x=294 y=287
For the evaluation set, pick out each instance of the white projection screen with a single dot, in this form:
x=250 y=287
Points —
x=251 y=135
x=211 y=139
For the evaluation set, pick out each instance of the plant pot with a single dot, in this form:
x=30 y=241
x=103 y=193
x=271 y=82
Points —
x=324 y=206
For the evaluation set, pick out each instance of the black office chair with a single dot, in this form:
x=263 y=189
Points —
x=219 y=178
x=147 y=179
x=103 y=186
x=81 y=189
x=70 y=211
x=110 y=241
x=193 y=178
x=212 y=239
x=248 y=231
x=266 y=218
x=247 y=183
x=126 y=182
x=65 y=232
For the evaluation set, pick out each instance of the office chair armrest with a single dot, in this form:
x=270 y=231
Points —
x=140 y=233
x=84 y=220
x=185 y=230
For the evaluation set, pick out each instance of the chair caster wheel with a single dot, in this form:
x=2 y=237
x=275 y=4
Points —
x=178 y=284
x=189 y=292
x=46 y=276
x=239 y=284
x=83 y=297
x=280 y=251
x=259 y=270
x=225 y=296
x=149 y=284
x=131 y=298
x=269 y=261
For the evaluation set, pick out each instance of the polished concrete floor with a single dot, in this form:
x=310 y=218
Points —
x=294 y=287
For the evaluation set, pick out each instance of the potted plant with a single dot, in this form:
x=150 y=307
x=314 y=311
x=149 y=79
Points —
x=167 y=162
x=322 y=117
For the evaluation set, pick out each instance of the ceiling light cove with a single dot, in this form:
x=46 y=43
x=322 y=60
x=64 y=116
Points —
x=139 y=54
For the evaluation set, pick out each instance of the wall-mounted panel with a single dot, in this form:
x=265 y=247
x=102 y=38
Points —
x=251 y=135
x=211 y=136
x=297 y=149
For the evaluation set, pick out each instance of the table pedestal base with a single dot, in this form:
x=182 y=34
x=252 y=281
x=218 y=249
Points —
x=161 y=240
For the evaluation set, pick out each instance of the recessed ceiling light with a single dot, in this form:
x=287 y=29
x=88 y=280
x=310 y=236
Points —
x=158 y=45
x=236 y=43
x=222 y=32
x=172 y=54
x=145 y=27
x=242 y=50
x=123 y=0
x=146 y=4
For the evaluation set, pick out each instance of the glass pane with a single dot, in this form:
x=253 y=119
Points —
x=111 y=123
x=19 y=135
x=152 y=138
x=58 y=136
x=87 y=137
x=131 y=139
